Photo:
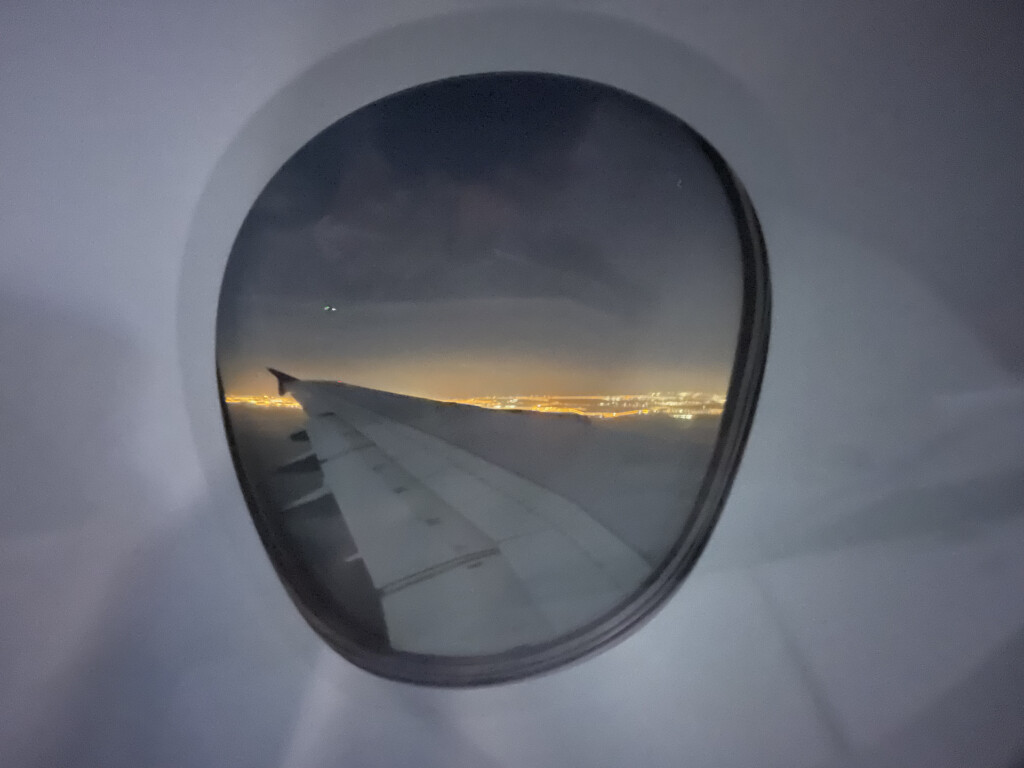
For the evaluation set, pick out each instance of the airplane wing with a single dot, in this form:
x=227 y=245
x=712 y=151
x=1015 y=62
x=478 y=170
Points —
x=467 y=557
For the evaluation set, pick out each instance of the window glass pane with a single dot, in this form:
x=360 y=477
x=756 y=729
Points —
x=478 y=348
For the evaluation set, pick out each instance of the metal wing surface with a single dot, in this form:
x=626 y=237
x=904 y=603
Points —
x=467 y=557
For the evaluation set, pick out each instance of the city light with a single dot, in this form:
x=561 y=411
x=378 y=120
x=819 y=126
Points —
x=264 y=401
x=679 y=405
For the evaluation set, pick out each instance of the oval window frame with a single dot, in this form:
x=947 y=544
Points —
x=328 y=619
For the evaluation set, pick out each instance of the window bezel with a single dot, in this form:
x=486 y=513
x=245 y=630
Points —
x=328 y=619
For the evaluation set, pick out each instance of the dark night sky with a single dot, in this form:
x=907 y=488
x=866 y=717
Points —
x=489 y=235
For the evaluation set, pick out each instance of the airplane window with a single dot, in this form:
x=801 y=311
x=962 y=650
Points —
x=488 y=350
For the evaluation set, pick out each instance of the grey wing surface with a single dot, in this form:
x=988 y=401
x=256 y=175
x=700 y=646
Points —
x=467 y=557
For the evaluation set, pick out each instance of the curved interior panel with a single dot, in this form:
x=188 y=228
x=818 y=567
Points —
x=488 y=349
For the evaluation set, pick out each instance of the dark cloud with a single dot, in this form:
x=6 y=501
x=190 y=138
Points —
x=515 y=187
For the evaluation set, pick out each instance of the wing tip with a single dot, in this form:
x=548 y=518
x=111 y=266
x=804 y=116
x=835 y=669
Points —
x=283 y=379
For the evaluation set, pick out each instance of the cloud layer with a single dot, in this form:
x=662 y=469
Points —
x=536 y=217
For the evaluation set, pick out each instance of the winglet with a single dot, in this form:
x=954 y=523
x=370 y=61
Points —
x=283 y=379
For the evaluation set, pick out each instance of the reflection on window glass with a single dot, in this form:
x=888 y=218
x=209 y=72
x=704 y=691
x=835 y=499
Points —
x=475 y=342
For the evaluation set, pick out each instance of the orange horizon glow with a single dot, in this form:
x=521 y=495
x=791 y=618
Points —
x=455 y=377
x=266 y=401
x=697 y=404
